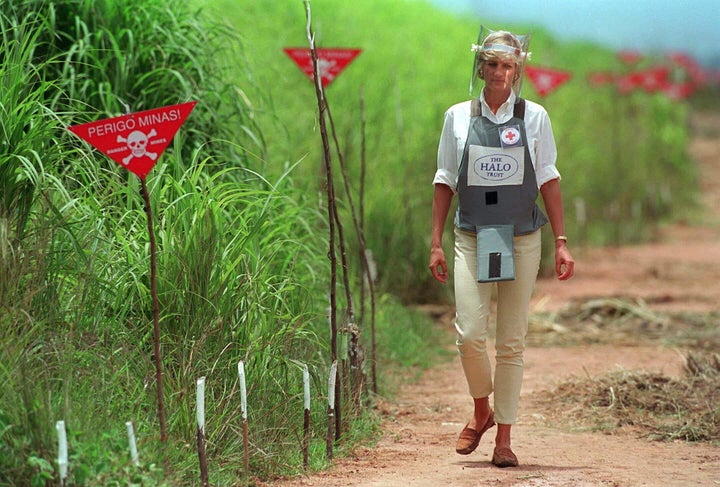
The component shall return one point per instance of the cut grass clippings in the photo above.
(656, 406)
(624, 322)
(653, 405)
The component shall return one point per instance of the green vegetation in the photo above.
(239, 218)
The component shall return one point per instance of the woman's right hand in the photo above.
(438, 265)
(442, 198)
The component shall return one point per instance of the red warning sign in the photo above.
(630, 57)
(137, 140)
(546, 80)
(331, 62)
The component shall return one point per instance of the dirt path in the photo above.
(680, 272)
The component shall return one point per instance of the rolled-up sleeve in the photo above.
(545, 150)
(447, 157)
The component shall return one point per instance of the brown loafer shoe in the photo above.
(504, 457)
(470, 438)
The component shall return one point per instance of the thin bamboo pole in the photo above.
(156, 312)
(322, 109)
(363, 248)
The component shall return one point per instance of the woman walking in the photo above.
(496, 152)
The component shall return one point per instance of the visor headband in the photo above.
(497, 47)
(500, 47)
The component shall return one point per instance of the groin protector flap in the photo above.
(495, 260)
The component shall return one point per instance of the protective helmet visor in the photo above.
(500, 45)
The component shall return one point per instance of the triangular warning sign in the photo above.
(630, 57)
(137, 140)
(546, 80)
(331, 62)
(601, 78)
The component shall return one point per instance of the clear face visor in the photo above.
(498, 44)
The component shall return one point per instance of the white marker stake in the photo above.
(201, 404)
(331, 385)
(331, 411)
(243, 410)
(306, 416)
(306, 387)
(201, 431)
(133, 444)
(243, 390)
(62, 450)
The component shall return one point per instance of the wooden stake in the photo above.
(156, 312)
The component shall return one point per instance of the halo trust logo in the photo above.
(496, 167)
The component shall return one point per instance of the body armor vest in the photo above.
(496, 178)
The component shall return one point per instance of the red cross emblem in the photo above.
(510, 136)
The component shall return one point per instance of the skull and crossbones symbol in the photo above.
(327, 68)
(137, 143)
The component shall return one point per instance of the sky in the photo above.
(650, 26)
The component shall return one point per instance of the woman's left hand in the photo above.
(564, 263)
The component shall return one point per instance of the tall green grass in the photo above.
(243, 271)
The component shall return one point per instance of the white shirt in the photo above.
(541, 141)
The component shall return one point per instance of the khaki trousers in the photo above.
(472, 300)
